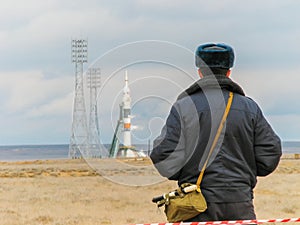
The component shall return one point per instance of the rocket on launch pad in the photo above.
(124, 127)
(126, 114)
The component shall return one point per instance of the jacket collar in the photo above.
(212, 82)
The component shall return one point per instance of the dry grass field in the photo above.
(71, 192)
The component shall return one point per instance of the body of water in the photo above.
(33, 152)
(42, 152)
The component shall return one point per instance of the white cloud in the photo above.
(20, 10)
(276, 91)
(56, 107)
(35, 109)
(24, 90)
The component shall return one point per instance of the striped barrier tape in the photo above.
(228, 222)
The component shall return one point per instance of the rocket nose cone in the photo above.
(126, 90)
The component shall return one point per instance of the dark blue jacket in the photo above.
(248, 147)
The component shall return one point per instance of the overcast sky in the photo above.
(37, 76)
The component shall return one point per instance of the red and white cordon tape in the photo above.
(228, 222)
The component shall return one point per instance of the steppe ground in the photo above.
(69, 192)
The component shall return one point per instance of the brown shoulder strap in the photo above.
(215, 140)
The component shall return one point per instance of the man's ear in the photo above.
(228, 73)
(200, 73)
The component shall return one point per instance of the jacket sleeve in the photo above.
(168, 149)
(267, 146)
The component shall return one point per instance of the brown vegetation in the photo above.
(67, 192)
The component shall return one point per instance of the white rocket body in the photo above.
(126, 114)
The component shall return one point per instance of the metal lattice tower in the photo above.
(79, 137)
(93, 83)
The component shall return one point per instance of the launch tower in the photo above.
(79, 134)
(93, 83)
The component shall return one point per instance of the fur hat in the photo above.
(214, 56)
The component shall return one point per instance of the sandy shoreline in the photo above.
(115, 192)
